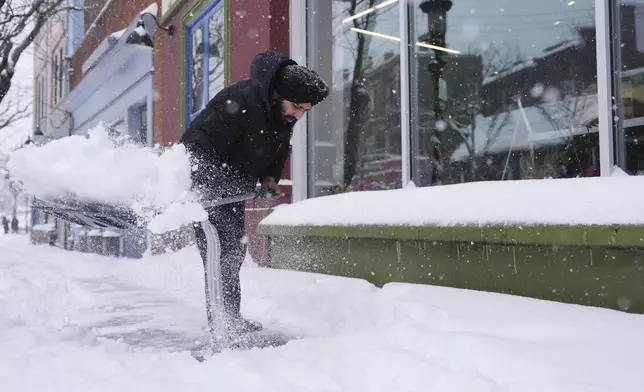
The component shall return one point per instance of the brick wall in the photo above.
(117, 16)
(91, 9)
(257, 26)
(169, 83)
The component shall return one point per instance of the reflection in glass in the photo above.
(507, 90)
(629, 83)
(197, 70)
(216, 28)
(354, 136)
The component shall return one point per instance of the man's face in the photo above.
(291, 112)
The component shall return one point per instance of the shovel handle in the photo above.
(261, 194)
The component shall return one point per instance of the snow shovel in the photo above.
(100, 215)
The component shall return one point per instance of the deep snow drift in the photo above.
(112, 171)
(56, 308)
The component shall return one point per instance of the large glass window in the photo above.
(628, 25)
(354, 136)
(206, 43)
(502, 90)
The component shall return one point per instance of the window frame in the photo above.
(203, 20)
(41, 98)
(61, 72)
(54, 77)
(137, 122)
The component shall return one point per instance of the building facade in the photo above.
(426, 91)
(99, 72)
(53, 49)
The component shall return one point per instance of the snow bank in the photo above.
(57, 308)
(100, 169)
(597, 200)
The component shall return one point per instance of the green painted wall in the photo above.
(581, 265)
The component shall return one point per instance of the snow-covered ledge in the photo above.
(571, 240)
(528, 211)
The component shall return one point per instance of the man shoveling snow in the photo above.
(242, 136)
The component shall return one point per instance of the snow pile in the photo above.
(357, 337)
(596, 200)
(99, 168)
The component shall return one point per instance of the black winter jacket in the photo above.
(235, 140)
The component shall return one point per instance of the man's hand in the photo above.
(270, 184)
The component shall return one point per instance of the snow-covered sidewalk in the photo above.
(57, 307)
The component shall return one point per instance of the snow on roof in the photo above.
(111, 233)
(118, 34)
(584, 201)
(549, 123)
(518, 66)
(43, 227)
(530, 62)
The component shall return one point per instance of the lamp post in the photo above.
(436, 11)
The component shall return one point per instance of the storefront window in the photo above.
(206, 39)
(354, 136)
(502, 90)
(628, 29)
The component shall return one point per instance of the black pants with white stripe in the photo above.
(228, 220)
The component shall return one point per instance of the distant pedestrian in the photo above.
(5, 224)
(14, 225)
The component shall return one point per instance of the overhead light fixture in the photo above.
(435, 47)
(571, 2)
(140, 36)
(391, 37)
(370, 10)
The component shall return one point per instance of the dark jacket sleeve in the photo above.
(208, 140)
(214, 129)
(277, 166)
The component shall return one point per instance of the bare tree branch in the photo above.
(21, 22)
(14, 115)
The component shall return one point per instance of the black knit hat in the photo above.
(299, 84)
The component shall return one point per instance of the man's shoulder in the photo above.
(239, 92)
(240, 87)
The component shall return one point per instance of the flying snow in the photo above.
(99, 168)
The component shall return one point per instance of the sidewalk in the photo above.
(78, 322)
(119, 304)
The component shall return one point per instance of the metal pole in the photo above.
(604, 87)
(404, 94)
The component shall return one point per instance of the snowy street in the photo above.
(62, 315)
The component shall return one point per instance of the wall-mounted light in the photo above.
(145, 30)
(168, 29)
(140, 36)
